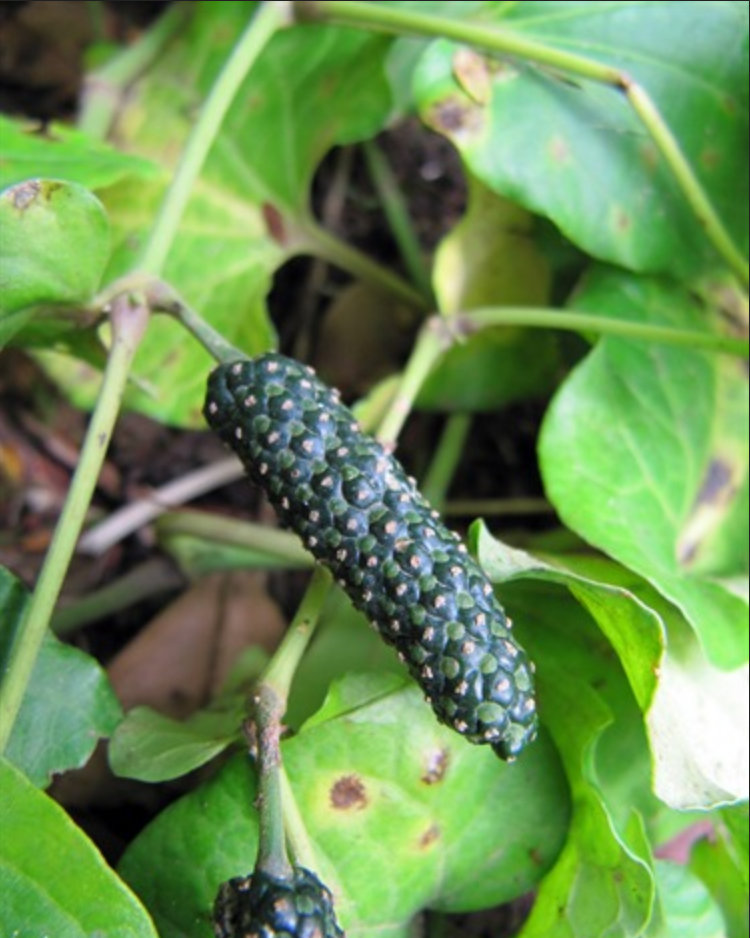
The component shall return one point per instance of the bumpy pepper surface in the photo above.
(358, 513)
(263, 906)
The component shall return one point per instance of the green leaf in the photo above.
(490, 259)
(344, 644)
(60, 152)
(644, 453)
(52, 879)
(716, 863)
(312, 88)
(699, 727)
(69, 705)
(634, 630)
(736, 821)
(154, 748)
(688, 907)
(696, 715)
(602, 883)
(53, 251)
(446, 825)
(589, 164)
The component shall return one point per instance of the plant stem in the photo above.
(129, 318)
(446, 459)
(695, 195)
(508, 42)
(281, 669)
(312, 238)
(397, 213)
(270, 702)
(281, 548)
(433, 340)
(269, 18)
(151, 578)
(301, 847)
(166, 300)
(483, 35)
(272, 855)
(103, 89)
(569, 321)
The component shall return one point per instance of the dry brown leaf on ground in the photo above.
(177, 664)
(182, 658)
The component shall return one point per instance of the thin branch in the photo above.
(129, 318)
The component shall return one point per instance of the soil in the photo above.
(41, 65)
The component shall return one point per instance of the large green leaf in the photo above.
(403, 814)
(635, 631)
(576, 152)
(644, 452)
(312, 88)
(69, 705)
(602, 883)
(52, 879)
(695, 715)
(54, 247)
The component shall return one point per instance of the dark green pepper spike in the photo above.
(360, 515)
(264, 906)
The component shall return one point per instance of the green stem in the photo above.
(282, 548)
(310, 237)
(507, 42)
(166, 300)
(568, 321)
(695, 195)
(302, 848)
(433, 340)
(152, 578)
(270, 703)
(397, 213)
(408, 22)
(270, 17)
(448, 455)
(103, 89)
(129, 318)
(272, 855)
(281, 669)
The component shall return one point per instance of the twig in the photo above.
(121, 524)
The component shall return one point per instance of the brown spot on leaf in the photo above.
(455, 116)
(348, 793)
(430, 836)
(275, 223)
(714, 499)
(436, 766)
(24, 194)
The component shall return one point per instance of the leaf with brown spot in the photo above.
(468, 838)
(349, 794)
